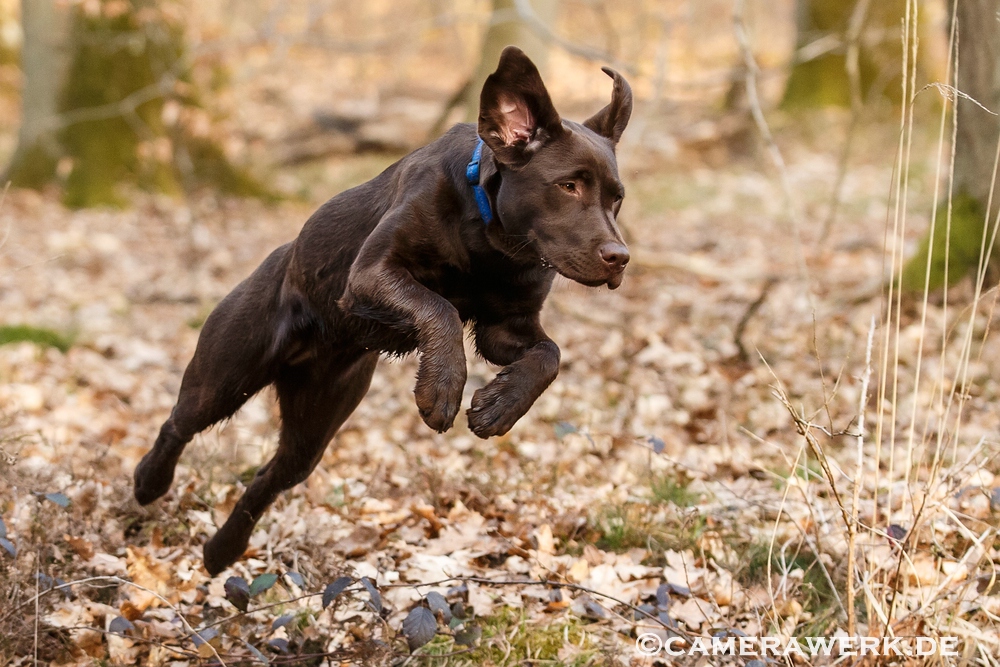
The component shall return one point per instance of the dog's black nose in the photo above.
(615, 255)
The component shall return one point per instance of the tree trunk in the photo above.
(10, 33)
(98, 79)
(509, 27)
(45, 57)
(821, 78)
(978, 75)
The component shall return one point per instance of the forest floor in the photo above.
(661, 471)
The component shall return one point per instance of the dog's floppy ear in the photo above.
(516, 116)
(610, 121)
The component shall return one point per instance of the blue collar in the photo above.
(472, 176)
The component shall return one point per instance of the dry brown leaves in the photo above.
(543, 522)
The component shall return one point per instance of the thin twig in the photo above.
(751, 310)
(805, 428)
(852, 526)
(38, 579)
(108, 579)
(133, 638)
(753, 99)
(554, 584)
(526, 13)
(854, 28)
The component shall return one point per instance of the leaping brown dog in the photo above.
(470, 229)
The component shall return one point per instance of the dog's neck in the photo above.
(512, 246)
(472, 175)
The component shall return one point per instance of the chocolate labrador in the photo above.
(468, 230)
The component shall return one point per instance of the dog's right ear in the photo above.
(516, 116)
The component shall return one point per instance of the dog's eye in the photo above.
(568, 186)
(619, 197)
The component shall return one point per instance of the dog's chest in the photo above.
(487, 291)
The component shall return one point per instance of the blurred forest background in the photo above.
(784, 423)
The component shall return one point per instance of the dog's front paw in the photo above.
(497, 406)
(439, 397)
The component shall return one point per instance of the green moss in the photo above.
(654, 525)
(510, 639)
(816, 594)
(96, 174)
(539, 641)
(823, 80)
(249, 474)
(116, 62)
(19, 333)
(818, 83)
(966, 238)
(114, 58)
(669, 490)
(623, 528)
(32, 167)
(211, 166)
(619, 528)
(198, 321)
(809, 469)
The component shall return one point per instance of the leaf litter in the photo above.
(565, 522)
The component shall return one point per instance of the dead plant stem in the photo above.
(852, 526)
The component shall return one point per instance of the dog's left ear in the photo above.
(610, 121)
(516, 116)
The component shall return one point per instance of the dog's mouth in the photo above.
(613, 279)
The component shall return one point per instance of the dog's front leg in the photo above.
(379, 288)
(531, 363)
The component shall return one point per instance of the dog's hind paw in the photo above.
(152, 479)
(223, 550)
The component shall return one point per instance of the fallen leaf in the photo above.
(150, 573)
(360, 542)
(578, 571)
(419, 627)
(83, 548)
(546, 543)
(333, 590)
(692, 613)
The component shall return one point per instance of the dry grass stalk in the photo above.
(852, 525)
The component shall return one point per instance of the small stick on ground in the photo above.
(742, 354)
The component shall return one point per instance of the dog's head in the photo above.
(560, 187)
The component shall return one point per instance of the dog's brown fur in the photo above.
(402, 263)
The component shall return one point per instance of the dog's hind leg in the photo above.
(235, 359)
(219, 379)
(315, 399)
